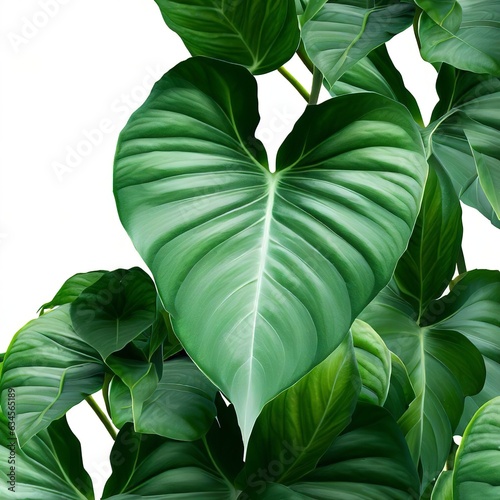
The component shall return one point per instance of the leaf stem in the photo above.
(461, 266)
(102, 416)
(105, 391)
(298, 86)
(301, 52)
(416, 20)
(316, 86)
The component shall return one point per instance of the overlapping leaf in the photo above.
(48, 467)
(180, 406)
(464, 137)
(264, 273)
(296, 428)
(258, 34)
(343, 32)
(155, 468)
(51, 370)
(461, 33)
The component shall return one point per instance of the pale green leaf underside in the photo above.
(51, 370)
(344, 32)
(264, 273)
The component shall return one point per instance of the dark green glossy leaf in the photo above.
(401, 392)
(49, 467)
(465, 37)
(377, 73)
(72, 288)
(155, 468)
(258, 34)
(464, 137)
(444, 367)
(428, 265)
(369, 461)
(180, 407)
(115, 310)
(477, 463)
(296, 428)
(51, 370)
(374, 363)
(472, 309)
(263, 273)
(343, 32)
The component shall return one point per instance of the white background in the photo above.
(87, 66)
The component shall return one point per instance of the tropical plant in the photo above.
(311, 332)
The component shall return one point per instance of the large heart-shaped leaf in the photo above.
(263, 273)
(48, 467)
(72, 288)
(181, 407)
(465, 37)
(477, 463)
(51, 370)
(258, 34)
(377, 73)
(296, 428)
(444, 367)
(369, 461)
(115, 310)
(464, 137)
(472, 309)
(428, 265)
(343, 32)
(155, 468)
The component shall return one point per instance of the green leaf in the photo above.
(477, 462)
(72, 288)
(48, 467)
(296, 428)
(464, 136)
(263, 273)
(377, 73)
(115, 310)
(344, 32)
(437, 10)
(374, 363)
(443, 489)
(428, 265)
(51, 370)
(472, 309)
(369, 461)
(465, 38)
(155, 468)
(258, 34)
(444, 367)
(181, 407)
(401, 392)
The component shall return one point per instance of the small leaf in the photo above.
(297, 427)
(344, 32)
(443, 489)
(48, 467)
(72, 288)
(401, 392)
(115, 310)
(51, 370)
(374, 363)
(437, 10)
(258, 34)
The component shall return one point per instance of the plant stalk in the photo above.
(298, 86)
(461, 266)
(316, 86)
(102, 416)
(301, 52)
(105, 391)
